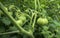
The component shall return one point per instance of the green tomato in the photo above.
(42, 21)
(6, 8)
(20, 22)
(23, 18)
(10, 13)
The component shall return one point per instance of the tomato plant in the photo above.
(29, 18)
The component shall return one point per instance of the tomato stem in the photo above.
(38, 4)
(2, 7)
(35, 5)
(9, 32)
(34, 21)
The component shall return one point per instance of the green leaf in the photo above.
(6, 21)
(2, 29)
(13, 28)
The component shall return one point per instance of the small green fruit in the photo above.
(23, 18)
(20, 22)
(42, 21)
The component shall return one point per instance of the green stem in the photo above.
(31, 18)
(26, 15)
(9, 32)
(35, 5)
(34, 21)
(2, 7)
(38, 4)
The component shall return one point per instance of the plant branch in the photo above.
(34, 21)
(38, 4)
(35, 5)
(2, 7)
(9, 32)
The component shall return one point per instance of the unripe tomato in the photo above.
(5, 8)
(20, 22)
(10, 13)
(42, 21)
(23, 18)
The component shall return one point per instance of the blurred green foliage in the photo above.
(32, 10)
